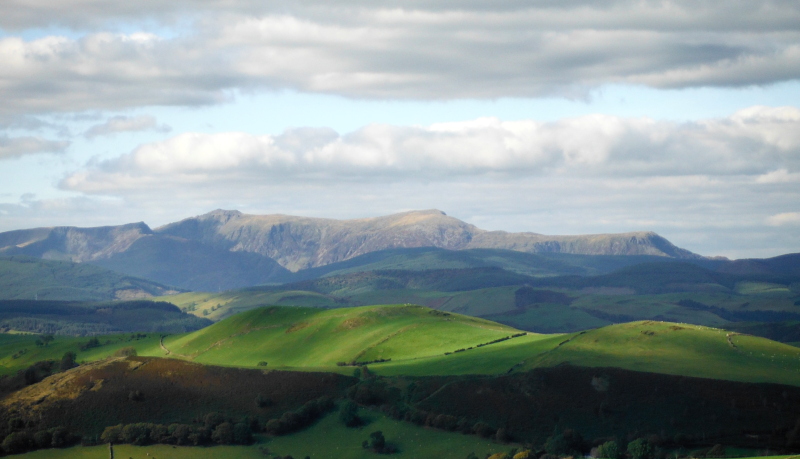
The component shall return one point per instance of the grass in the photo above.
(326, 438)
(15, 344)
(217, 306)
(307, 337)
(757, 288)
(690, 350)
(415, 341)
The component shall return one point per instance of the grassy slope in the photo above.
(225, 304)
(415, 339)
(681, 350)
(307, 337)
(13, 344)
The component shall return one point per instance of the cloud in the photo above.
(125, 124)
(756, 142)
(785, 219)
(202, 52)
(13, 147)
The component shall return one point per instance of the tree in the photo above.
(640, 449)
(68, 361)
(112, 434)
(242, 434)
(609, 450)
(567, 443)
(377, 440)
(348, 414)
(17, 442)
(223, 434)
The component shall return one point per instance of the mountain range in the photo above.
(228, 249)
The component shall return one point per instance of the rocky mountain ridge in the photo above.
(297, 243)
(300, 242)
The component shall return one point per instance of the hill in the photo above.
(24, 277)
(95, 318)
(407, 340)
(682, 385)
(311, 337)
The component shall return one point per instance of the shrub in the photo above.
(242, 434)
(502, 436)
(377, 440)
(180, 433)
(640, 449)
(567, 443)
(137, 434)
(348, 414)
(61, 438)
(68, 361)
(93, 342)
(483, 429)
(17, 442)
(129, 351)
(223, 434)
(42, 439)
(609, 450)
(112, 434)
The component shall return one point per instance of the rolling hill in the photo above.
(683, 385)
(412, 340)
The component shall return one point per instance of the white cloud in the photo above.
(12, 147)
(422, 50)
(779, 176)
(785, 218)
(125, 124)
(756, 141)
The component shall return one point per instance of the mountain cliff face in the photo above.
(300, 242)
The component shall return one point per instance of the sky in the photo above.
(554, 117)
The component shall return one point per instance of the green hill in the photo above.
(95, 318)
(23, 277)
(316, 338)
(419, 341)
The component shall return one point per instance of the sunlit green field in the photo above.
(419, 341)
(680, 349)
(306, 337)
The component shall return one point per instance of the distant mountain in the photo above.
(228, 249)
(300, 242)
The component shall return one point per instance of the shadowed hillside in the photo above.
(28, 278)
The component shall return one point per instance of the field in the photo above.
(309, 337)
(413, 340)
(27, 352)
(327, 438)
